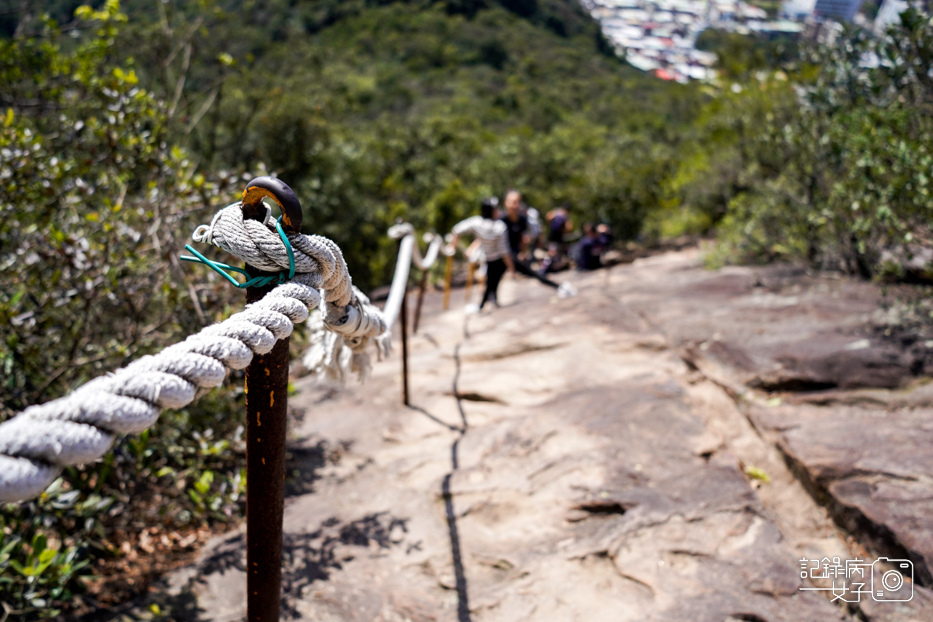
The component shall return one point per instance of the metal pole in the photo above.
(403, 313)
(266, 405)
(448, 274)
(421, 287)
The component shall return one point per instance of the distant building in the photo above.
(842, 10)
(889, 13)
(798, 10)
(659, 36)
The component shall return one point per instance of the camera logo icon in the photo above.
(889, 585)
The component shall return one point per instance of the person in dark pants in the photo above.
(492, 234)
(517, 225)
(495, 270)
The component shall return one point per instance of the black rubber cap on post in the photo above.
(278, 191)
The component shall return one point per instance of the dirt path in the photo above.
(593, 459)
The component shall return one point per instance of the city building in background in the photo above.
(842, 10)
(659, 36)
(889, 13)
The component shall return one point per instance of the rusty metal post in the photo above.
(266, 404)
(448, 275)
(421, 287)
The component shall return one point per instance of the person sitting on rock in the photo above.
(588, 251)
(559, 225)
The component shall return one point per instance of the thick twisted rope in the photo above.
(399, 231)
(346, 311)
(327, 354)
(408, 253)
(81, 427)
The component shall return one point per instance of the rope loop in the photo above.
(204, 232)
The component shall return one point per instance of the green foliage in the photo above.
(94, 207)
(419, 109)
(741, 56)
(90, 199)
(848, 183)
(41, 564)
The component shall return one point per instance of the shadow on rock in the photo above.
(303, 464)
(306, 558)
(309, 557)
(181, 607)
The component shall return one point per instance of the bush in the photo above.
(94, 207)
(850, 189)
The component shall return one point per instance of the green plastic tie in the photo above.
(256, 281)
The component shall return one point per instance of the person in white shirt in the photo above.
(492, 234)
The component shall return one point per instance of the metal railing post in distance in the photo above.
(403, 318)
(404, 321)
(421, 287)
(448, 275)
(266, 405)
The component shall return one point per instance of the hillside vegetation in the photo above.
(123, 127)
(419, 109)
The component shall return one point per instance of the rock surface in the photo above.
(814, 343)
(876, 467)
(604, 458)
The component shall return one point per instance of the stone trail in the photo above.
(590, 459)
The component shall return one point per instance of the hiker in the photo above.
(604, 234)
(590, 249)
(534, 231)
(492, 235)
(559, 224)
(518, 225)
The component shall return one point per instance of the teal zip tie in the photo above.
(257, 281)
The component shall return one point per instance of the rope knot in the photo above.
(205, 233)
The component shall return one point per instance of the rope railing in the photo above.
(408, 254)
(327, 354)
(405, 234)
(292, 278)
(80, 428)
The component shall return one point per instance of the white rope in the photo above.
(326, 354)
(400, 280)
(430, 258)
(81, 427)
(408, 253)
(399, 231)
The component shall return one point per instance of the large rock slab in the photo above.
(818, 368)
(874, 467)
(776, 328)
